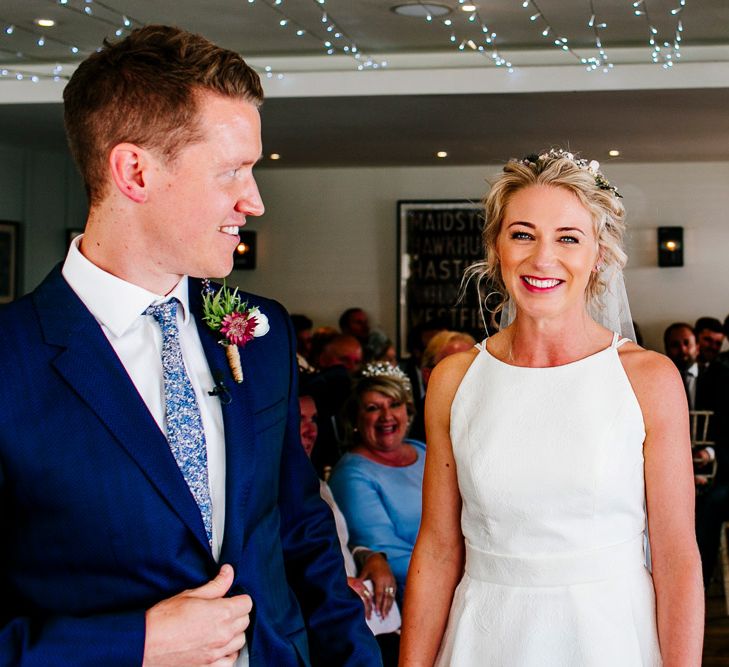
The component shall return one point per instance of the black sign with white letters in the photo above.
(437, 242)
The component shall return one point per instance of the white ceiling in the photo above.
(430, 95)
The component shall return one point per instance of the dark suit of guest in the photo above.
(415, 375)
(330, 389)
(99, 524)
(712, 507)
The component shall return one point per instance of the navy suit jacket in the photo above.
(99, 524)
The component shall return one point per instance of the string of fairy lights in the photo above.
(95, 10)
(327, 32)
(663, 52)
(559, 41)
(488, 47)
(458, 29)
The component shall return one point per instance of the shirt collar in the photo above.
(114, 303)
(693, 369)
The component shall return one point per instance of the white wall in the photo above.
(42, 192)
(329, 237)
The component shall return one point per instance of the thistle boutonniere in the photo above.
(225, 312)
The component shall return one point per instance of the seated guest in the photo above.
(709, 337)
(705, 390)
(440, 346)
(380, 348)
(303, 328)
(368, 573)
(340, 350)
(417, 340)
(723, 357)
(319, 338)
(337, 357)
(378, 484)
(354, 322)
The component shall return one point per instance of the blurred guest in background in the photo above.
(378, 483)
(706, 389)
(380, 348)
(368, 573)
(337, 357)
(340, 350)
(319, 338)
(709, 337)
(442, 345)
(417, 340)
(354, 322)
(303, 327)
(679, 342)
(723, 357)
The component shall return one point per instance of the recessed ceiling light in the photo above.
(441, 154)
(468, 7)
(275, 156)
(613, 153)
(45, 23)
(421, 10)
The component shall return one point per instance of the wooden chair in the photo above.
(699, 440)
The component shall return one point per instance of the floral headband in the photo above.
(535, 161)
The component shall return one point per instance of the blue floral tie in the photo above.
(184, 425)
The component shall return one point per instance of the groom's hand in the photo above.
(198, 627)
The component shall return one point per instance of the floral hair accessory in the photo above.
(384, 369)
(225, 312)
(538, 162)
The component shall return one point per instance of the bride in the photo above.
(554, 449)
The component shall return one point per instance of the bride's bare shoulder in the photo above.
(448, 374)
(652, 375)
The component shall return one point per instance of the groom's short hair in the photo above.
(143, 90)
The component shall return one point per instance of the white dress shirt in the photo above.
(118, 307)
(690, 377)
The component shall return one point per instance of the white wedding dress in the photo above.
(550, 469)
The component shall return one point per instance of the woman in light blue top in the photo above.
(378, 484)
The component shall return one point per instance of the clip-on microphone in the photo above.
(220, 390)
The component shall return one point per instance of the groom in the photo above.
(155, 511)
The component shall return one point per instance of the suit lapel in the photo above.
(89, 365)
(238, 427)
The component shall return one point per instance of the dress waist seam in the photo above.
(556, 570)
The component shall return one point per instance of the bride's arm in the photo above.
(437, 561)
(670, 498)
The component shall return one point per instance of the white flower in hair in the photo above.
(538, 162)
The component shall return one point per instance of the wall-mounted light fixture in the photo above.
(670, 246)
(244, 256)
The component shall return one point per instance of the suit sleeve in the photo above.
(113, 640)
(335, 622)
(30, 637)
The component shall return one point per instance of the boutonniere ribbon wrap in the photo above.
(226, 313)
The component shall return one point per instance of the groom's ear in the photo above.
(129, 167)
